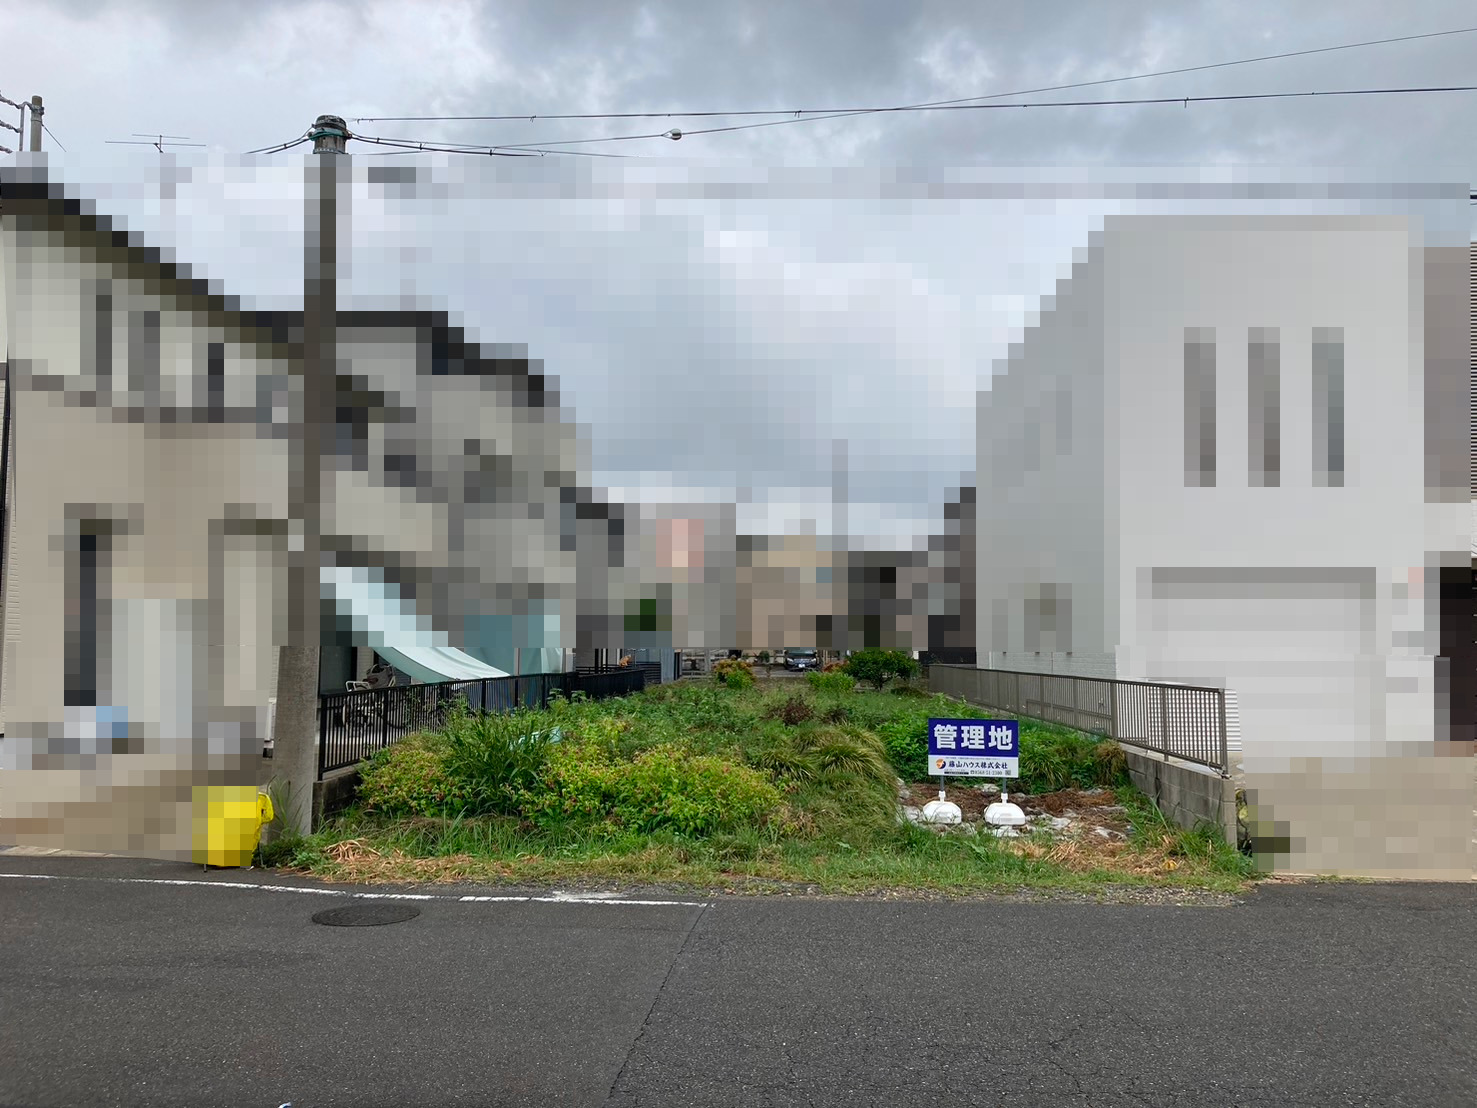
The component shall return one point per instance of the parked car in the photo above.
(801, 660)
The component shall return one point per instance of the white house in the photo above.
(1234, 452)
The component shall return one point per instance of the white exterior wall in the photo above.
(1315, 605)
(1043, 491)
(1319, 661)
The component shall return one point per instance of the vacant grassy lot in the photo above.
(755, 787)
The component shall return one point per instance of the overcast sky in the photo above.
(721, 346)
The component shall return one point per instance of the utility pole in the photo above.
(296, 727)
(37, 111)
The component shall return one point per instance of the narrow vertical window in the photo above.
(1199, 407)
(1264, 407)
(80, 681)
(143, 356)
(96, 335)
(215, 382)
(1328, 407)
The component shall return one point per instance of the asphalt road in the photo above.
(125, 992)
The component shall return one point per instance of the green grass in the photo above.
(732, 795)
(1203, 848)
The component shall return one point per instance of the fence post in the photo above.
(1113, 710)
(384, 699)
(1164, 719)
(322, 737)
(1225, 750)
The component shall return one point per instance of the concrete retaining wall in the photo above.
(333, 794)
(329, 796)
(1187, 794)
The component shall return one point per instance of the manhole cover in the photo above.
(366, 915)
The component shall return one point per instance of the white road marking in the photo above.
(556, 898)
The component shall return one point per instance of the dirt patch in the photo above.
(1078, 829)
(1096, 808)
(1086, 802)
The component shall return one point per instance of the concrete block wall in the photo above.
(1187, 794)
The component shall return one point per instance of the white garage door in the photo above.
(1302, 668)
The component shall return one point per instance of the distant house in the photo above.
(790, 588)
(1235, 452)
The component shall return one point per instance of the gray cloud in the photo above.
(746, 374)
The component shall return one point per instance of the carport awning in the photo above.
(385, 623)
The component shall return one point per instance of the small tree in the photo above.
(878, 666)
(764, 660)
(733, 672)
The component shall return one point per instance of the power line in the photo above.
(1185, 100)
(408, 146)
(801, 112)
(281, 146)
(413, 146)
(54, 139)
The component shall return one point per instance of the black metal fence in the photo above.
(353, 725)
(1184, 721)
(653, 671)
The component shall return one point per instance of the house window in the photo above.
(80, 682)
(1199, 407)
(143, 357)
(1328, 407)
(215, 382)
(100, 353)
(1264, 407)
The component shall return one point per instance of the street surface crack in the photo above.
(655, 1000)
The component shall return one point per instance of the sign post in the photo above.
(976, 748)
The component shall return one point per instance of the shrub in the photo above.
(735, 673)
(905, 743)
(785, 763)
(577, 785)
(912, 692)
(411, 778)
(693, 794)
(878, 666)
(833, 682)
(1044, 766)
(791, 712)
(836, 713)
(665, 787)
(849, 752)
(1109, 765)
(495, 757)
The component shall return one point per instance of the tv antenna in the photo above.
(158, 142)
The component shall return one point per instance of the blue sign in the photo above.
(974, 747)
